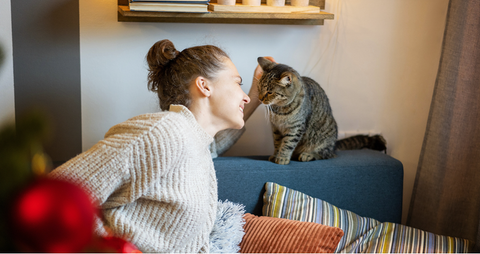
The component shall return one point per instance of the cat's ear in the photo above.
(265, 63)
(286, 80)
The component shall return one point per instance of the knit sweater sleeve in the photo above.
(99, 171)
(224, 140)
(125, 164)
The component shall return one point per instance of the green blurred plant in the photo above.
(21, 159)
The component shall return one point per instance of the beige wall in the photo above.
(377, 62)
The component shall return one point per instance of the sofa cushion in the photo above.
(356, 180)
(274, 235)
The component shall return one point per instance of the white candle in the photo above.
(251, 2)
(276, 2)
(226, 2)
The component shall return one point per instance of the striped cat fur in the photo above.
(302, 121)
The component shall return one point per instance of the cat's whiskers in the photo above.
(268, 112)
(270, 116)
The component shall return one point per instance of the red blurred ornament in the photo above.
(52, 216)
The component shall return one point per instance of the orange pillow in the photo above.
(275, 235)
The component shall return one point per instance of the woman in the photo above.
(153, 175)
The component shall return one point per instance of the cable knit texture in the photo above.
(154, 179)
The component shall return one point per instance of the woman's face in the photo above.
(228, 99)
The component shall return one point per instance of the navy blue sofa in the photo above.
(366, 182)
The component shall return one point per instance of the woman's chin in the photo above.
(239, 125)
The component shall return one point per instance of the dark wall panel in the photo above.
(46, 58)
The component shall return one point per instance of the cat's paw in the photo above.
(306, 157)
(272, 158)
(282, 160)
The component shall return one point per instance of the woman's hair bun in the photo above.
(161, 53)
(171, 73)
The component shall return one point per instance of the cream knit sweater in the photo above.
(154, 179)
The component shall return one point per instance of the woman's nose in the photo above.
(246, 99)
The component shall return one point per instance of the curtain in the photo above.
(446, 194)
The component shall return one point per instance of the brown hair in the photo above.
(171, 71)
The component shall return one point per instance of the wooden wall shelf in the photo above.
(125, 15)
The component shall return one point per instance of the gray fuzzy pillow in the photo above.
(227, 231)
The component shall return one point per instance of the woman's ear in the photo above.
(203, 86)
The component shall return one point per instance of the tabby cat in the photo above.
(302, 121)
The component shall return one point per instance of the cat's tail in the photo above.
(376, 142)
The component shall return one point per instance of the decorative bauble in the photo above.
(52, 216)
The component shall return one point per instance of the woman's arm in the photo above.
(253, 93)
(122, 160)
(99, 171)
(227, 138)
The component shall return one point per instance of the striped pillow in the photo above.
(274, 235)
(282, 202)
(361, 234)
(390, 237)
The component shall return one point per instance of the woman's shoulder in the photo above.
(145, 123)
(151, 118)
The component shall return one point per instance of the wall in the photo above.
(7, 101)
(377, 62)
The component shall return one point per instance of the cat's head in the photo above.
(279, 83)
